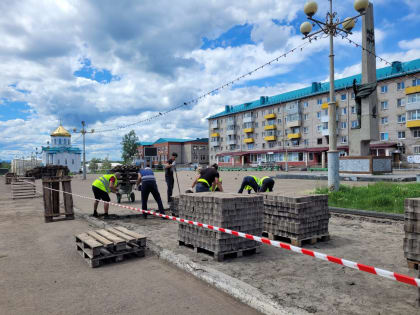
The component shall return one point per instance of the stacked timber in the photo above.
(243, 213)
(8, 178)
(128, 172)
(48, 171)
(23, 187)
(411, 244)
(110, 245)
(296, 218)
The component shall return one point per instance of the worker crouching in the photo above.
(264, 184)
(208, 180)
(101, 188)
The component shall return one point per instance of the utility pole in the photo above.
(83, 131)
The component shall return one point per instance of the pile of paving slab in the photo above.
(412, 229)
(237, 212)
(296, 218)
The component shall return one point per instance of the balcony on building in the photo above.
(294, 120)
(413, 119)
(249, 140)
(296, 135)
(215, 142)
(248, 117)
(270, 116)
(270, 138)
(412, 89)
(231, 130)
(214, 124)
(249, 130)
(413, 101)
(325, 105)
(231, 141)
(293, 108)
(215, 135)
(270, 127)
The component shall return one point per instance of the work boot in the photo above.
(95, 214)
(144, 216)
(106, 216)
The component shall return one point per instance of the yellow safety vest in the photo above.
(103, 182)
(215, 187)
(262, 180)
(202, 180)
(247, 187)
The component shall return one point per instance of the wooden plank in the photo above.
(115, 239)
(47, 199)
(88, 240)
(68, 198)
(55, 198)
(121, 234)
(100, 238)
(128, 232)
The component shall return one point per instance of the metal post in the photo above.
(287, 158)
(333, 176)
(84, 150)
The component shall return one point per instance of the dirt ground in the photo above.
(42, 273)
(295, 280)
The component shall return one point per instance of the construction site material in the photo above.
(173, 206)
(8, 178)
(127, 172)
(51, 196)
(296, 219)
(48, 171)
(23, 187)
(228, 211)
(411, 243)
(110, 245)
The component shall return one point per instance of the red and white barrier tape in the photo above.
(354, 265)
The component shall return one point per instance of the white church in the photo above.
(60, 152)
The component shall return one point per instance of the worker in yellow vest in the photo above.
(207, 180)
(101, 188)
(249, 183)
(266, 184)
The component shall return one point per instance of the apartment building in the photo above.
(293, 126)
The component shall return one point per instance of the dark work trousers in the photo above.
(248, 181)
(147, 188)
(267, 184)
(170, 182)
(201, 187)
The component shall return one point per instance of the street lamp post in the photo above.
(83, 131)
(332, 26)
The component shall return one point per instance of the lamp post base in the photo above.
(333, 170)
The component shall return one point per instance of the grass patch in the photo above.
(381, 197)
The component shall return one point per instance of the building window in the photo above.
(384, 120)
(401, 118)
(319, 128)
(344, 139)
(305, 142)
(401, 134)
(344, 111)
(305, 129)
(343, 97)
(305, 117)
(319, 101)
(384, 105)
(343, 125)
(319, 141)
(250, 146)
(72, 161)
(65, 162)
(279, 120)
(279, 132)
(353, 110)
(318, 114)
(413, 115)
(58, 161)
(416, 133)
(263, 123)
(400, 86)
(263, 145)
(416, 82)
(271, 144)
(305, 104)
(416, 149)
(384, 136)
(400, 102)
(384, 88)
(413, 98)
(354, 123)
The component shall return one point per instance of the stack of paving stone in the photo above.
(412, 232)
(173, 206)
(232, 211)
(296, 218)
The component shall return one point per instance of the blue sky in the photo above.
(132, 60)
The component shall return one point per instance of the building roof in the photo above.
(61, 149)
(144, 143)
(163, 140)
(397, 69)
(60, 132)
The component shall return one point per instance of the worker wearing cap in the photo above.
(148, 180)
(101, 188)
(250, 183)
(207, 180)
(266, 184)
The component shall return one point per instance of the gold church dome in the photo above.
(60, 132)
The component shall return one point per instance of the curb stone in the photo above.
(238, 289)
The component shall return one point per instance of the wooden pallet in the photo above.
(23, 187)
(413, 264)
(297, 242)
(110, 245)
(221, 256)
(52, 198)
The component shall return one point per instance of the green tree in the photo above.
(93, 165)
(129, 146)
(5, 164)
(106, 165)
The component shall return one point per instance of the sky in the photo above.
(114, 63)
